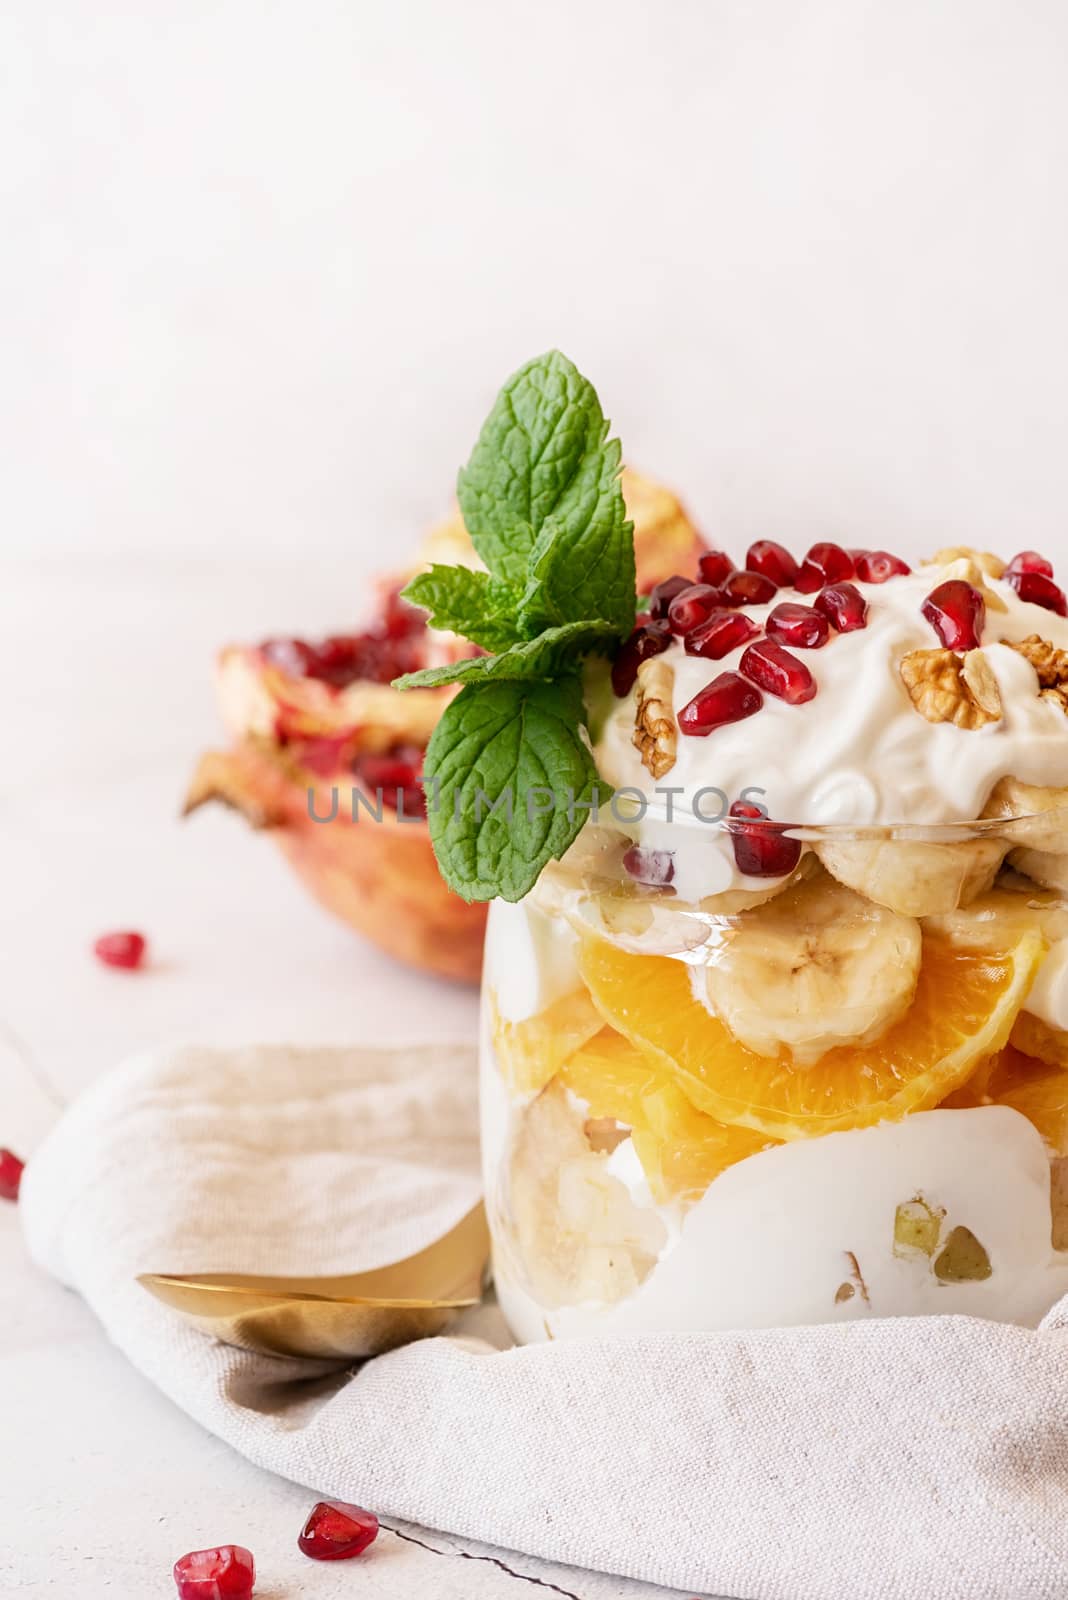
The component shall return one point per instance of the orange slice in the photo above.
(531, 1052)
(1032, 1087)
(964, 1009)
(681, 1150)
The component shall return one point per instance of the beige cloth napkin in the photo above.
(924, 1459)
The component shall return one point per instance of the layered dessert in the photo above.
(328, 757)
(775, 1020)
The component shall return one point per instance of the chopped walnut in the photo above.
(655, 729)
(946, 687)
(992, 565)
(1049, 663)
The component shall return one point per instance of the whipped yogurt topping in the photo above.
(859, 752)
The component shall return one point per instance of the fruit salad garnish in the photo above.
(542, 501)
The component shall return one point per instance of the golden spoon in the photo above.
(344, 1317)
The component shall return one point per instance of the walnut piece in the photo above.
(992, 565)
(655, 729)
(945, 687)
(1050, 664)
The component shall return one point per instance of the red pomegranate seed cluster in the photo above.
(11, 1170)
(395, 773)
(394, 645)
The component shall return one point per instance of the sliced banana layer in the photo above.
(915, 879)
(817, 967)
(1044, 809)
(1046, 867)
(1000, 915)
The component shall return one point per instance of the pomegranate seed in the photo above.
(400, 619)
(844, 606)
(294, 657)
(665, 592)
(727, 698)
(692, 607)
(335, 1531)
(714, 566)
(878, 566)
(776, 670)
(747, 589)
(1039, 590)
(124, 950)
(773, 560)
(226, 1573)
(800, 626)
(1029, 561)
(761, 849)
(654, 867)
(723, 632)
(956, 612)
(11, 1170)
(643, 643)
(825, 563)
(396, 774)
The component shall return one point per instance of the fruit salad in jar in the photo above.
(775, 996)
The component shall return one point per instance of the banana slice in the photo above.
(1043, 811)
(915, 879)
(1046, 867)
(999, 917)
(818, 967)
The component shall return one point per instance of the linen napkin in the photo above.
(925, 1459)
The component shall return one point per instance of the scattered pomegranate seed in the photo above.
(226, 1573)
(644, 642)
(11, 1170)
(1039, 590)
(126, 950)
(801, 626)
(747, 589)
(727, 698)
(692, 606)
(335, 1531)
(956, 611)
(844, 607)
(714, 566)
(761, 849)
(780, 673)
(825, 563)
(878, 566)
(723, 632)
(654, 867)
(1029, 561)
(662, 596)
(773, 560)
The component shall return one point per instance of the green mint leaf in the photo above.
(553, 652)
(507, 772)
(544, 452)
(481, 608)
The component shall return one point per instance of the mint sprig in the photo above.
(509, 772)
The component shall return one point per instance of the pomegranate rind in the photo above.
(380, 878)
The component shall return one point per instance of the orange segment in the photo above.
(681, 1150)
(965, 1006)
(1034, 1088)
(531, 1052)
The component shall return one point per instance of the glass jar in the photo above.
(836, 1091)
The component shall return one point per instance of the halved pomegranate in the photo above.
(309, 719)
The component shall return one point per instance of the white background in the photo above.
(262, 268)
(265, 264)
